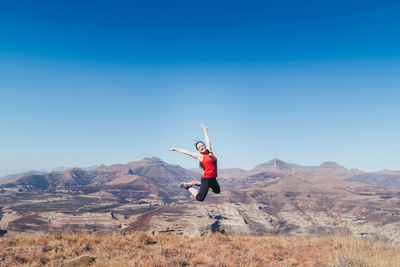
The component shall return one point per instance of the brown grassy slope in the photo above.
(141, 249)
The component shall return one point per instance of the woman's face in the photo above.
(201, 147)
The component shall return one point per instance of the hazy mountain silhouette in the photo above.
(386, 178)
(327, 169)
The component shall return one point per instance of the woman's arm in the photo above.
(208, 144)
(183, 151)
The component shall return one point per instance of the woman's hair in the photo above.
(207, 152)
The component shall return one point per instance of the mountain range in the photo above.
(70, 176)
(385, 178)
(272, 198)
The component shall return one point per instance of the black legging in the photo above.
(205, 184)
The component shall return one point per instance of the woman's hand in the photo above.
(204, 128)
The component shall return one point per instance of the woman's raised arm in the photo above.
(183, 151)
(206, 138)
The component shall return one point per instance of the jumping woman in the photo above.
(208, 162)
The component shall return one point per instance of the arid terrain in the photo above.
(273, 198)
(96, 200)
(141, 249)
(292, 204)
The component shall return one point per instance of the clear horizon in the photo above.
(92, 83)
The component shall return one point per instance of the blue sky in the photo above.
(113, 82)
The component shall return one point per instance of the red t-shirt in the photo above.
(210, 166)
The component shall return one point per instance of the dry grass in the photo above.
(142, 249)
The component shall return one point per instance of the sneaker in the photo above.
(186, 186)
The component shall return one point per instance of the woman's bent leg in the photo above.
(215, 186)
(203, 190)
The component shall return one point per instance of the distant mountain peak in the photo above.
(152, 158)
(386, 171)
(146, 161)
(330, 164)
(275, 161)
(277, 164)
